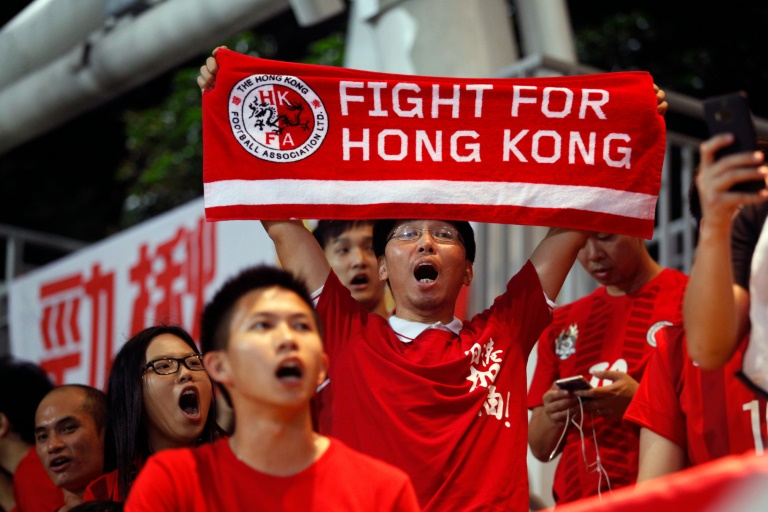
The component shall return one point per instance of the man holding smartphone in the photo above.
(717, 303)
(607, 337)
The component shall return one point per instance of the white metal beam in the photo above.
(114, 61)
(44, 31)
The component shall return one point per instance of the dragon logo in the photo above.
(565, 344)
(277, 118)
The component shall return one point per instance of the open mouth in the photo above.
(289, 372)
(59, 463)
(425, 273)
(189, 402)
(359, 280)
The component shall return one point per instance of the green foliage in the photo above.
(164, 165)
(328, 51)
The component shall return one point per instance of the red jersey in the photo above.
(32, 487)
(210, 477)
(448, 409)
(603, 332)
(735, 482)
(709, 414)
(104, 488)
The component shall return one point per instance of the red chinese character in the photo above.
(62, 333)
(176, 273)
(140, 274)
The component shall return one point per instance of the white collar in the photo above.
(406, 330)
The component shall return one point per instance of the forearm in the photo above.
(298, 251)
(709, 307)
(658, 456)
(554, 257)
(543, 435)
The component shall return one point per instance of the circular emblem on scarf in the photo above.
(277, 118)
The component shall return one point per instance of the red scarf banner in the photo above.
(285, 140)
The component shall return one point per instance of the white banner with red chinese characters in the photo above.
(73, 315)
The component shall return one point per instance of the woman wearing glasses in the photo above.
(160, 397)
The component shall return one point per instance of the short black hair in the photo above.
(327, 230)
(99, 506)
(382, 230)
(23, 385)
(214, 329)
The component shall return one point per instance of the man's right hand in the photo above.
(560, 405)
(207, 77)
(716, 176)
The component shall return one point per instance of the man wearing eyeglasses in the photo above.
(440, 398)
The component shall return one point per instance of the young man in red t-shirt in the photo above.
(607, 337)
(729, 232)
(261, 340)
(33, 491)
(348, 247)
(689, 416)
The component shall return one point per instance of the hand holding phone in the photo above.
(576, 383)
(731, 113)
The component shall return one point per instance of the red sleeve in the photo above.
(337, 310)
(32, 487)
(103, 488)
(656, 404)
(160, 484)
(406, 500)
(546, 371)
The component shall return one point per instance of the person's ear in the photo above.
(217, 365)
(5, 425)
(324, 370)
(383, 274)
(469, 273)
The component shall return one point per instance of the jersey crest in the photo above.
(565, 344)
(650, 337)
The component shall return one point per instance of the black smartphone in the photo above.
(573, 383)
(731, 113)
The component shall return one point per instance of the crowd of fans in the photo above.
(341, 402)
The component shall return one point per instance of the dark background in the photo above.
(74, 180)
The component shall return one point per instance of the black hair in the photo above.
(127, 443)
(214, 327)
(382, 230)
(23, 385)
(218, 312)
(327, 230)
(98, 506)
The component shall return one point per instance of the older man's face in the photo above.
(68, 441)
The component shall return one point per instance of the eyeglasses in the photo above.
(169, 365)
(440, 234)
